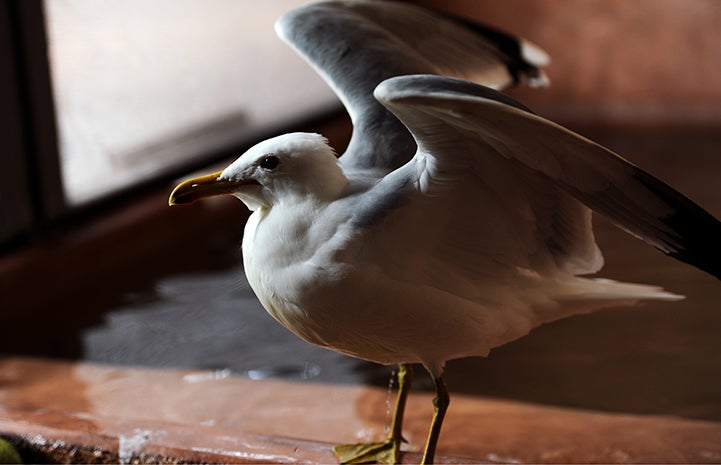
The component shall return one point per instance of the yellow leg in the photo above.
(440, 405)
(388, 451)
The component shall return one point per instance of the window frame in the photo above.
(28, 121)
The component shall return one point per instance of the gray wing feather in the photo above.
(355, 45)
(630, 197)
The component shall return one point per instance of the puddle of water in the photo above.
(211, 321)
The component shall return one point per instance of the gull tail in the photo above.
(586, 295)
(606, 289)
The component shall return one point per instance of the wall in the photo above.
(622, 61)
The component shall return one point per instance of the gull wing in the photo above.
(355, 45)
(460, 126)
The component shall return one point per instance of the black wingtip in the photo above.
(512, 51)
(699, 235)
(693, 235)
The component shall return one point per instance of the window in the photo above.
(136, 89)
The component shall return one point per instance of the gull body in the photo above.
(457, 220)
(386, 285)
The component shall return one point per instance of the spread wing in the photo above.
(525, 185)
(355, 45)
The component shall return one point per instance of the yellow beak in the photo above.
(201, 187)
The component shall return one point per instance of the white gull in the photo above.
(456, 221)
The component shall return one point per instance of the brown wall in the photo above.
(623, 61)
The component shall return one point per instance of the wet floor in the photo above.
(209, 320)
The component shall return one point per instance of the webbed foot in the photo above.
(388, 452)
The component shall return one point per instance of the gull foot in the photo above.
(388, 452)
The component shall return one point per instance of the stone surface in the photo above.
(76, 412)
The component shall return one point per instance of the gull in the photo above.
(456, 220)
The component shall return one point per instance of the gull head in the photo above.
(288, 168)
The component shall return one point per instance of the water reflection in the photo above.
(303, 372)
(210, 320)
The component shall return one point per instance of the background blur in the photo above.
(646, 62)
(108, 103)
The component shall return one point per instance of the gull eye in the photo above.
(270, 162)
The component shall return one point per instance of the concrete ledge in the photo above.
(59, 411)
